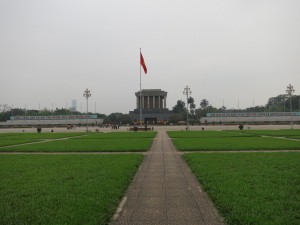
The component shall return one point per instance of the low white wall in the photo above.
(249, 119)
(49, 122)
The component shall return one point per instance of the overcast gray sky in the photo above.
(225, 50)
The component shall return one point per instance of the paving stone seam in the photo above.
(144, 167)
(174, 150)
(164, 148)
(189, 174)
(165, 189)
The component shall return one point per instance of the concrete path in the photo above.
(164, 191)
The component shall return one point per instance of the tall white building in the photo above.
(74, 105)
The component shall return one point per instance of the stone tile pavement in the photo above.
(164, 191)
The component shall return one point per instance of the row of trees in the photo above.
(279, 103)
(6, 112)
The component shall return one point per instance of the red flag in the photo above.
(143, 64)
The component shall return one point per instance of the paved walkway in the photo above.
(164, 191)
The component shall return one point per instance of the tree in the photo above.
(200, 113)
(176, 117)
(222, 109)
(190, 100)
(192, 108)
(4, 108)
(192, 105)
(277, 103)
(204, 104)
(179, 107)
(211, 109)
(179, 112)
(281, 103)
(204, 107)
(117, 118)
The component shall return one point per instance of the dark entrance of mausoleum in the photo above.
(150, 121)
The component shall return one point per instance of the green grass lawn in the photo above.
(295, 133)
(86, 145)
(251, 188)
(38, 135)
(91, 142)
(235, 143)
(228, 140)
(7, 139)
(206, 134)
(121, 135)
(63, 189)
(8, 142)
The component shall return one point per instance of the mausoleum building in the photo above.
(153, 103)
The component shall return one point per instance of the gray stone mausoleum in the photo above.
(154, 107)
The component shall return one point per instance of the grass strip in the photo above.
(7, 139)
(251, 188)
(8, 142)
(235, 143)
(206, 134)
(82, 142)
(120, 135)
(276, 133)
(38, 135)
(63, 189)
(85, 145)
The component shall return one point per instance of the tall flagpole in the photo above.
(140, 90)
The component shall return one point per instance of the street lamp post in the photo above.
(87, 94)
(290, 90)
(187, 92)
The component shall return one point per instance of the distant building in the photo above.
(50, 121)
(74, 105)
(254, 118)
(153, 103)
